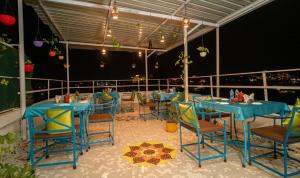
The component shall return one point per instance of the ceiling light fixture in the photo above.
(114, 12)
(186, 20)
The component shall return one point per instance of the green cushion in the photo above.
(296, 121)
(187, 114)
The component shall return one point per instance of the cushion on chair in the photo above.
(106, 97)
(296, 121)
(276, 133)
(65, 119)
(103, 117)
(187, 114)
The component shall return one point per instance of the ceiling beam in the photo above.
(41, 5)
(243, 11)
(130, 10)
(109, 46)
(163, 22)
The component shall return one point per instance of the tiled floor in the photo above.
(105, 161)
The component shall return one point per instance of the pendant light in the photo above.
(162, 38)
(186, 20)
(115, 12)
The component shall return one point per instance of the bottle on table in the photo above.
(231, 94)
(237, 93)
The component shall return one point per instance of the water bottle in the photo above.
(237, 93)
(231, 94)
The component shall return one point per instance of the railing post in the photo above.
(211, 86)
(265, 83)
(168, 85)
(158, 84)
(138, 84)
(93, 86)
(62, 87)
(116, 85)
(48, 81)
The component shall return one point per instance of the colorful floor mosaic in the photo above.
(149, 153)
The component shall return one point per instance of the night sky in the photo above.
(265, 39)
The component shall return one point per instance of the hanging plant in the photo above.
(5, 18)
(180, 63)
(5, 39)
(203, 50)
(4, 82)
(38, 42)
(60, 57)
(66, 66)
(28, 65)
(115, 42)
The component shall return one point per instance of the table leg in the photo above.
(245, 144)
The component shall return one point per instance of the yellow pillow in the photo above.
(65, 119)
(187, 114)
(106, 97)
(296, 121)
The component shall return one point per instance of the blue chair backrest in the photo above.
(105, 107)
(36, 126)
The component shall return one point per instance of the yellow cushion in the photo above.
(106, 97)
(296, 121)
(187, 115)
(64, 119)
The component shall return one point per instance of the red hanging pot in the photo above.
(52, 53)
(29, 68)
(7, 20)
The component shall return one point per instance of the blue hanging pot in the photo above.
(38, 43)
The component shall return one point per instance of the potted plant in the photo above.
(4, 38)
(203, 51)
(28, 65)
(7, 149)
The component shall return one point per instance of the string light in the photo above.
(140, 53)
(103, 51)
(162, 39)
(108, 33)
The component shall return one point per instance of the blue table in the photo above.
(81, 108)
(243, 111)
(163, 98)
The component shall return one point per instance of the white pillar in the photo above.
(68, 66)
(218, 60)
(21, 67)
(146, 72)
(186, 74)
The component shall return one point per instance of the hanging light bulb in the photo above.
(115, 12)
(102, 65)
(133, 65)
(140, 53)
(103, 51)
(140, 31)
(108, 33)
(162, 39)
(156, 65)
(186, 22)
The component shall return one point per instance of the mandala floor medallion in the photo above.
(149, 153)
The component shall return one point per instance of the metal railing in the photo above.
(288, 79)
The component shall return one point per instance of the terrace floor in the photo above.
(106, 161)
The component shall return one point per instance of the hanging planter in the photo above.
(28, 66)
(52, 53)
(66, 66)
(60, 57)
(5, 18)
(203, 51)
(38, 43)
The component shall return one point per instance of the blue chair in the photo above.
(41, 127)
(102, 113)
(145, 106)
(187, 117)
(279, 135)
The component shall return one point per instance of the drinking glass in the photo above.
(57, 98)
